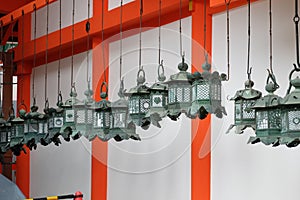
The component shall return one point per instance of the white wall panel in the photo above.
(81, 12)
(242, 171)
(116, 3)
(159, 166)
(67, 168)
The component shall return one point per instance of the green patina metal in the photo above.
(179, 92)
(17, 132)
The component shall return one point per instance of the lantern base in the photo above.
(266, 140)
(240, 128)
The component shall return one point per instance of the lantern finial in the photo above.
(183, 66)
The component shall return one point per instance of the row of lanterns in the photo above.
(195, 94)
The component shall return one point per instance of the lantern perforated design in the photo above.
(69, 115)
(5, 134)
(179, 94)
(158, 99)
(121, 125)
(17, 132)
(206, 94)
(84, 115)
(268, 116)
(102, 117)
(244, 100)
(35, 127)
(139, 101)
(290, 115)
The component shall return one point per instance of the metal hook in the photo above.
(249, 73)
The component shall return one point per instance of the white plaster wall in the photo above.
(159, 166)
(242, 171)
(81, 14)
(67, 168)
(116, 3)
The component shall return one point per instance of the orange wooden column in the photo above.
(201, 143)
(23, 95)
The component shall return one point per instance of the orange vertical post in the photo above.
(200, 129)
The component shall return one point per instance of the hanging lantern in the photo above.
(158, 98)
(121, 125)
(69, 115)
(55, 121)
(206, 93)
(290, 115)
(179, 95)
(5, 134)
(268, 116)
(139, 101)
(102, 117)
(244, 116)
(17, 132)
(35, 127)
(84, 115)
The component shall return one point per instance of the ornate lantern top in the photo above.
(103, 104)
(141, 88)
(248, 93)
(121, 102)
(269, 100)
(72, 100)
(293, 98)
(183, 75)
(160, 86)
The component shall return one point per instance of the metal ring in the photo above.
(161, 66)
(296, 19)
(106, 88)
(141, 70)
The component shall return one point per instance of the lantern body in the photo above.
(179, 93)
(84, 116)
(69, 116)
(120, 125)
(158, 103)
(290, 116)
(244, 100)
(5, 134)
(55, 122)
(102, 120)
(17, 134)
(268, 119)
(139, 105)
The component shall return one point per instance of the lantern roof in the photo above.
(183, 75)
(159, 86)
(294, 97)
(72, 100)
(139, 89)
(248, 93)
(270, 100)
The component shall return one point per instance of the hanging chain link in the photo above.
(204, 32)
(121, 38)
(271, 38)
(140, 34)
(73, 33)
(34, 54)
(159, 34)
(180, 29)
(60, 50)
(87, 28)
(102, 43)
(46, 53)
(22, 67)
(249, 31)
(228, 37)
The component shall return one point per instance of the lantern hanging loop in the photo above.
(141, 76)
(103, 94)
(161, 72)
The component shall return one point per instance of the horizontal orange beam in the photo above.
(218, 6)
(28, 8)
(12, 5)
(111, 26)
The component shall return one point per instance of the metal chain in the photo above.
(140, 34)
(159, 33)
(271, 39)
(121, 38)
(228, 38)
(1, 24)
(180, 28)
(248, 53)
(296, 21)
(22, 68)
(204, 31)
(60, 50)
(88, 46)
(102, 42)
(72, 57)
(34, 54)
(46, 53)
